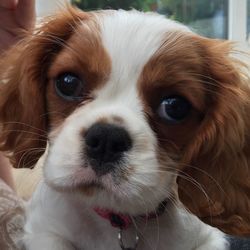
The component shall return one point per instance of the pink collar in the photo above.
(123, 221)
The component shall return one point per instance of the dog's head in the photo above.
(123, 99)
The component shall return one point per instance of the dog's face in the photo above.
(124, 98)
(108, 143)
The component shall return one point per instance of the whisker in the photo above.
(24, 131)
(26, 155)
(26, 125)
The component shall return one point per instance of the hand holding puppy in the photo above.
(15, 16)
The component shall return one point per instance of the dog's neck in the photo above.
(123, 221)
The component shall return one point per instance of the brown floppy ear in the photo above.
(218, 160)
(23, 72)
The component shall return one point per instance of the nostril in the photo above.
(93, 142)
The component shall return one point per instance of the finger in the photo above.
(8, 4)
(6, 40)
(25, 13)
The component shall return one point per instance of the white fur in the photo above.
(61, 220)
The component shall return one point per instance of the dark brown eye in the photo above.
(69, 86)
(174, 109)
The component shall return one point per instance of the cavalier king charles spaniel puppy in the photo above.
(126, 106)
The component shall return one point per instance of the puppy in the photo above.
(122, 101)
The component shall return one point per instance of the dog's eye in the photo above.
(69, 86)
(174, 109)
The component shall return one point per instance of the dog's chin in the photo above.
(107, 194)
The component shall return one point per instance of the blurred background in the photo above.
(228, 19)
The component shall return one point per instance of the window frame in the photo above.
(237, 21)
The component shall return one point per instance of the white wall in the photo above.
(47, 7)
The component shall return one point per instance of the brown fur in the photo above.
(212, 145)
(84, 56)
(218, 158)
(23, 72)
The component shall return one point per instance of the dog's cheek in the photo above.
(63, 157)
(151, 166)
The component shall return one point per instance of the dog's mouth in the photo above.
(86, 181)
(89, 189)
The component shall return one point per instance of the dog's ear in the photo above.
(218, 157)
(23, 72)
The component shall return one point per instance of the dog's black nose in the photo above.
(105, 146)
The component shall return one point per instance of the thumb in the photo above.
(8, 4)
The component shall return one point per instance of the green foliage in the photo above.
(182, 10)
(190, 10)
(115, 4)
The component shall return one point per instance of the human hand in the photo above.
(15, 15)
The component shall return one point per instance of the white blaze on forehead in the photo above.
(130, 39)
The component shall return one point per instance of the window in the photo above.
(207, 17)
(48, 7)
(211, 18)
(238, 20)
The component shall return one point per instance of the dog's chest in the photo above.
(98, 234)
(86, 230)
(102, 236)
